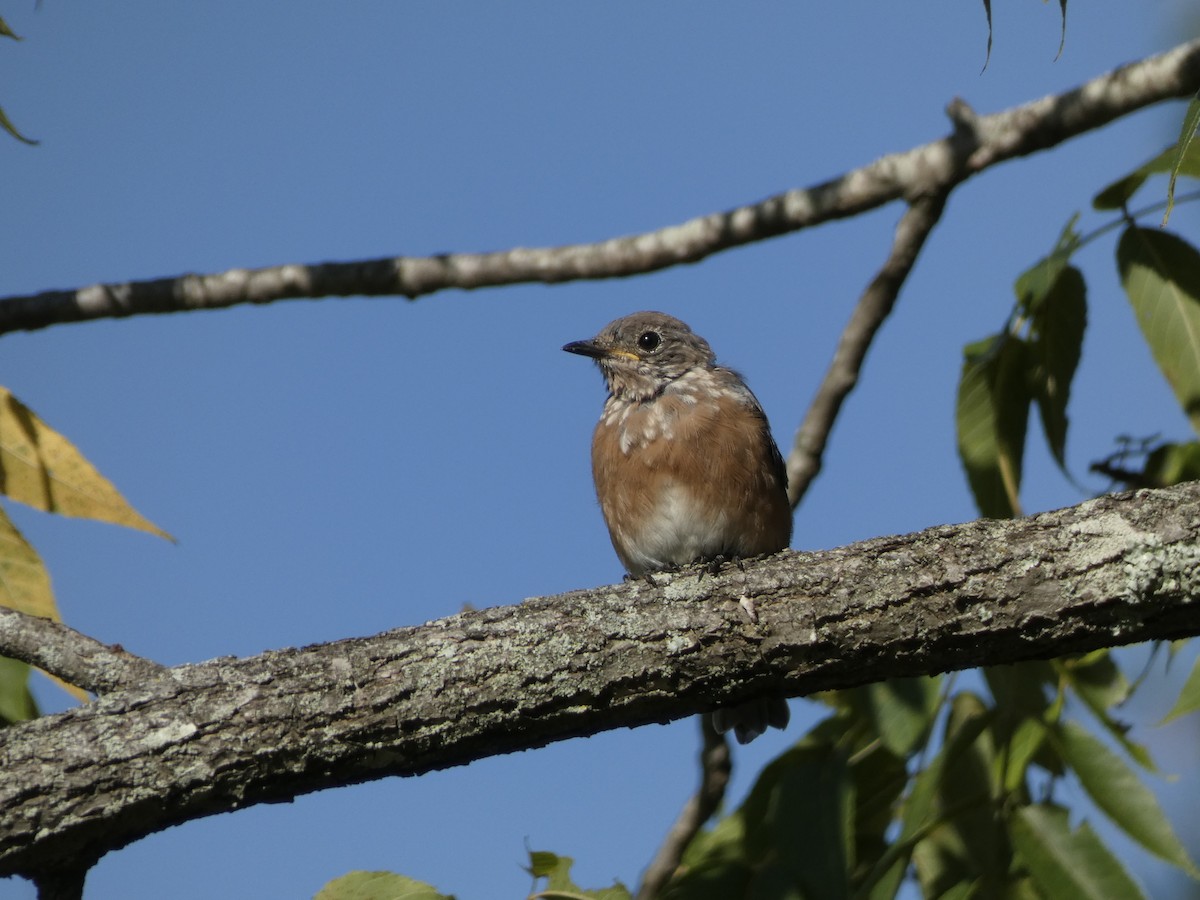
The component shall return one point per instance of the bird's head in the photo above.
(640, 354)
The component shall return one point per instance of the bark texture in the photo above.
(211, 737)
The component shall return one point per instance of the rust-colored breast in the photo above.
(690, 475)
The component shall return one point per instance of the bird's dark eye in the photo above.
(649, 341)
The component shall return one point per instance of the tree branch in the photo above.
(229, 733)
(874, 306)
(989, 140)
(73, 657)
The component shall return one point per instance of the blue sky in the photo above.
(339, 467)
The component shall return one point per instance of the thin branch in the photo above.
(73, 657)
(804, 462)
(715, 767)
(230, 733)
(991, 139)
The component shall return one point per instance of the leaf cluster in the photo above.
(917, 780)
(1032, 360)
(952, 788)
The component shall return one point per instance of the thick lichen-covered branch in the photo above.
(201, 739)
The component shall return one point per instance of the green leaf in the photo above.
(1187, 133)
(1188, 700)
(722, 843)
(1161, 276)
(1169, 464)
(16, 702)
(794, 834)
(1020, 690)
(800, 813)
(1026, 745)
(1185, 162)
(544, 864)
(920, 815)
(1035, 283)
(378, 886)
(991, 418)
(969, 786)
(1020, 695)
(1101, 685)
(557, 872)
(1096, 679)
(7, 32)
(1116, 789)
(1066, 863)
(900, 711)
(1058, 326)
(8, 126)
(879, 777)
(710, 881)
(714, 865)
(1022, 888)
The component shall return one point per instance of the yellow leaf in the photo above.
(25, 583)
(40, 467)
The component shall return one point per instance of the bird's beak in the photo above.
(597, 351)
(585, 348)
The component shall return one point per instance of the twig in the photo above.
(714, 778)
(73, 657)
(804, 462)
(989, 140)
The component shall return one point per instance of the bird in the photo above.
(684, 465)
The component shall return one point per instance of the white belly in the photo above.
(678, 532)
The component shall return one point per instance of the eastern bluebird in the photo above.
(685, 466)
